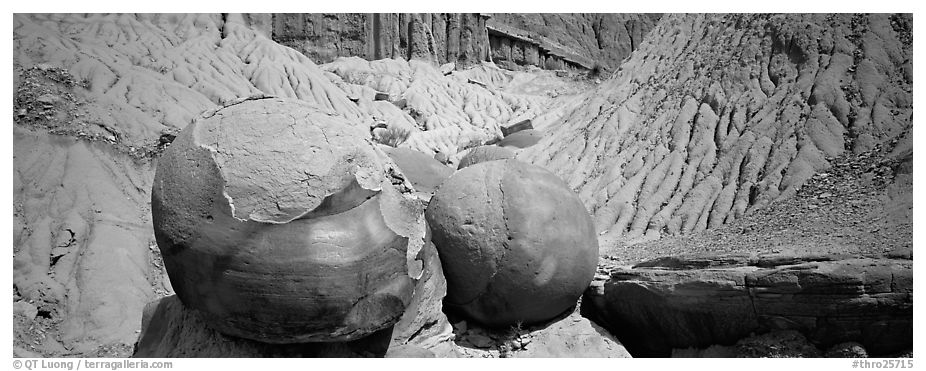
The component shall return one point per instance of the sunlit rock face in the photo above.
(278, 223)
(516, 244)
(483, 154)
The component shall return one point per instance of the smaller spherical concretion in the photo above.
(516, 244)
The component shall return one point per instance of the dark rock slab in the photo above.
(682, 302)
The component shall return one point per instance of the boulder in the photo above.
(483, 154)
(680, 302)
(516, 244)
(171, 330)
(279, 223)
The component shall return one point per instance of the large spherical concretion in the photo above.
(277, 223)
(515, 242)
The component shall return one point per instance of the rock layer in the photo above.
(459, 38)
(684, 302)
(606, 38)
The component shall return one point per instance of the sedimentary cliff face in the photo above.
(439, 37)
(462, 38)
(716, 115)
(606, 38)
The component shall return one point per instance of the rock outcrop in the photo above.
(549, 41)
(682, 302)
(458, 38)
(604, 38)
(717, 115)
(570, 335)
(517, 246)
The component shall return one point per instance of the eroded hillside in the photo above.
(717, 115)
(714, 116)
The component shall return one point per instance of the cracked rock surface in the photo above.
(271, 218)
(515, 243)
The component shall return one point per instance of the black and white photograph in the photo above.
(461, 185)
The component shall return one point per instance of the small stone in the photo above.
(47, 99)
(826, 195)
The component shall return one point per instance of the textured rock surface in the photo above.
(683, 302)
(483, 154)
(604, 37)
(171, 330)
(446, 113)
(775, 344)
(276, 222)
(515, 243)
(571, 336)
(459, 38)
(717, 115)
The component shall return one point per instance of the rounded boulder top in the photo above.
(516, 244)
(278, 222)
(485, 153)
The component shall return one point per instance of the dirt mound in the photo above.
(718, 115)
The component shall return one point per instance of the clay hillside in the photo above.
(462, 185)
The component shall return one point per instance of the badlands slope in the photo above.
(718, 115)
(98, 96)
(713, 117)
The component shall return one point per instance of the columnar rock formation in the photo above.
(603, 38)
(716, 115)
(440, 37)
(550, 41)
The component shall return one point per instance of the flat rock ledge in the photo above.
(685, 302)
